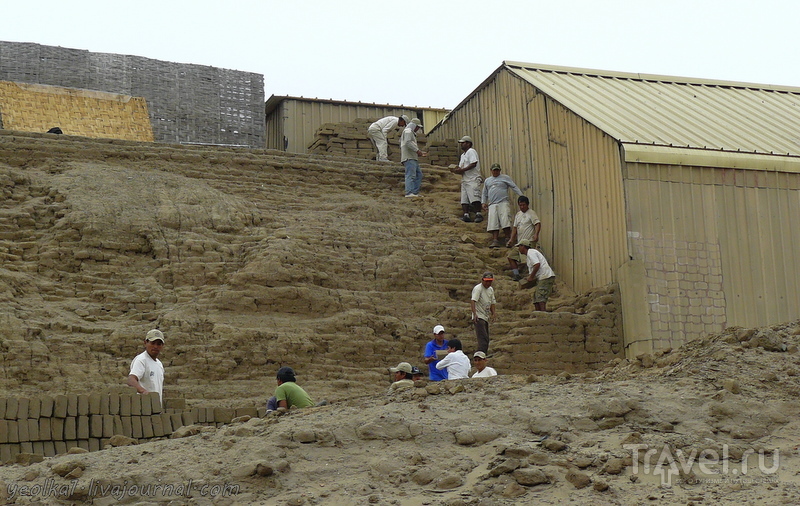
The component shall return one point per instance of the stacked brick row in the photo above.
(443, 153)
(52, 425)
(573, 339)
(351, 139)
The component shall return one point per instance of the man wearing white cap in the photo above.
(147, 371)
(483, 371)
(470, 169)
(409, 157)
(378, 130)
(431, 357)
(402, 376)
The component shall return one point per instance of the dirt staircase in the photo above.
(247, 260)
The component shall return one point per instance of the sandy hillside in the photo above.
(250, 260)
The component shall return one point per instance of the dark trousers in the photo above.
(482, 334)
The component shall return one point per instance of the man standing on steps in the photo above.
(526, 227)
(470, 170)
(540, 274)
(409, 153)
(431, 357)
(482, 303)
(147, 371)
(378, 130)
(495, 200)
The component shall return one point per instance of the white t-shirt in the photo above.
(487, 372)
(150, 372)
(467, 158)
(535, 257)
(526, 223)
(457, 365)
(484, 298)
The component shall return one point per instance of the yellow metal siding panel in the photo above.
(719, 247)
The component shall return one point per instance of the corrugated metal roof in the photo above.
(274, 100)
(675, 111)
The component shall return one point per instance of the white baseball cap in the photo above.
(437, 329)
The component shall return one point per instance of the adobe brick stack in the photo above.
(583, 336)
(444, 153)
(49, 426)
(351, 139)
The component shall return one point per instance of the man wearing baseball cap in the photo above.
(431, 357)
(409, 157)
(540, 274)
(483, 371)
(470, 169)
(378, 130)
(147, 371)
(402, 376)
(482, 304)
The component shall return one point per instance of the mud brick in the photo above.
(136, 405)
(61, 447)
(56, 429)
(22, 408)
(45, 431)
(127, 426)
(25, 447)
(70, 428)
(5, 453)
(83, 405)
(22, 431)
(175, 403)
(113, 404)
(11, 408)
(48, 448)
(166, 421)
(34, 407)
(108, 425)
(3, 408)
(176, 421)
(38, 448)
(157, 425)
(46, 407)
(72, 405)
(136, 427)
(188, 418)
(33, 428)
(246, 411)
(105, 404)
(95, 426)
(117, 424)
(60, 406)
(125, 405)
(83, 443)
(146, 406)
(82, 426)
(147, 427)
(94, 444)
(223, 415)
(155, 402)
(3, 432)
(262, 412)
(199, 415)
(94, 403)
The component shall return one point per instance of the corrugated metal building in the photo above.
(292, 122)
(685, 191)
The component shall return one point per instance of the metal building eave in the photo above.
(665, 155)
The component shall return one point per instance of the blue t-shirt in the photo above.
(430, 351)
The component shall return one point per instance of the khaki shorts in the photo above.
(498, 217)
(544, 287)
(518, 257)
(471, 191)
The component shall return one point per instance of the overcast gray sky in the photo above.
(431, 53)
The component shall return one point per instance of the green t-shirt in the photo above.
(293, 395)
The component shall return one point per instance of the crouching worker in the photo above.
(288, 393)
(402, 375)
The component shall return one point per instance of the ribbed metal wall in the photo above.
(720, 247)
(569, 169)
(292, 125)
